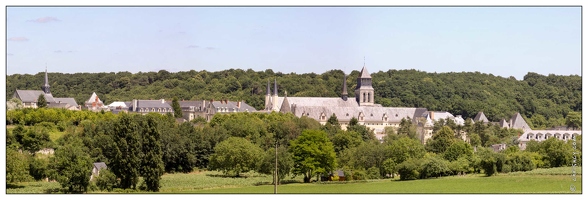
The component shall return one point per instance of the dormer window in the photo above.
(152, 109)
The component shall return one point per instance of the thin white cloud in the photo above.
(45, 20)
(18, 39)
(192, 46)
(9, 54)
(58, 51)
(210, 48)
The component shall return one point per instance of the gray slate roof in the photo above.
(481, 117)
(319, 101)
(32, 95)
(100, 165)
(518, 122)
(285, 108)
(364, 73)
(69, 101)
(503, 124)
(233, 105)
(187, 104)
(152, 104)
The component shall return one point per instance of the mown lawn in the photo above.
(555, 180)
(473, 184)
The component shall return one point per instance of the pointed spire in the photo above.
(275, 87)
(268, 88)
(364, 73)
(344, 94)
(46, 86)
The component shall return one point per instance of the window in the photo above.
(152, 109)
(347, 115)
(363, 97)
(369, 97)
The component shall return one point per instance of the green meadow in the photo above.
(550, 181)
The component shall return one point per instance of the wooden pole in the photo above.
(276, 171)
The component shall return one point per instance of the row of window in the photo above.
(547, 136)
(155, 110)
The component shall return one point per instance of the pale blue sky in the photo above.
(504, 41)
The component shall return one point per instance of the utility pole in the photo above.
(276, 171)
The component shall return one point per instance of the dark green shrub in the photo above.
(409, 169)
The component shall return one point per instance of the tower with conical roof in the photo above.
(364, 92)
(46, 86)
(275, 97)
(268, 97)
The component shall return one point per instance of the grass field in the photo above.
(555, 180)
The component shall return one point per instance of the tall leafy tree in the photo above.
(17, 166)
(177, 109)
(235, 155)
(441, 140)
(41, 101)
(574, 120)
(406, 148)
(313, 154)
(72, 167)
(126, 161)
(152, 167)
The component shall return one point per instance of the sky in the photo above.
(503, 41)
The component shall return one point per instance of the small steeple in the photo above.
(46, 86)
(275, 87)
(268, 88)
(344, 94)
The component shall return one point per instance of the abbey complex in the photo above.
(363, 108)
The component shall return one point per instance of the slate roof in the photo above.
(69, 101)
(285, 108)
(518, 122)
(364, 73)
(503, 124)
(152, 104)
(481, 117)
(100, 165)
(32, 95)
(319, 101)
(187, 104)
(233, 105)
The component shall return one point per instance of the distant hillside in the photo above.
(545, 100)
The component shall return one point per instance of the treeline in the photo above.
(146, 146)
(544, 100)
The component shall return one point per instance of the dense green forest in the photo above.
(543, 100)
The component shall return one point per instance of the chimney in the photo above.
(134, 105)
(162, 100)
(432, 115)
(238, 104)
(204, 103)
